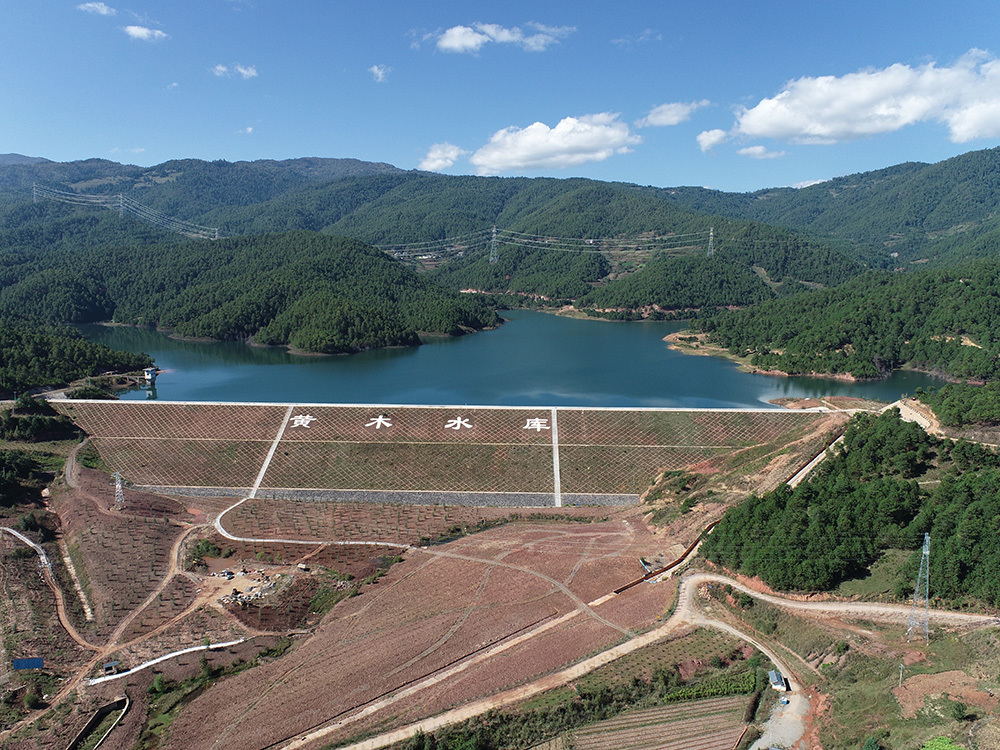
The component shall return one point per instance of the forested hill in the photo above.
(937, 212)
(379, 204)
(34, 354)
(941, 212)
(867, 499)
(946, 320)
(303, 289)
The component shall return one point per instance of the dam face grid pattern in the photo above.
(416, 449)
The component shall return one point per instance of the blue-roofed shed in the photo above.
(28, 664)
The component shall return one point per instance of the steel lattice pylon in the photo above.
(494, 255)
(920, 612)
(119, 493)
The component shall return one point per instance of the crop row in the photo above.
(174, 598)
(729, 684)
(700, 645)
(725, 708)
(627, 728)
(671, 737)
(123, 556)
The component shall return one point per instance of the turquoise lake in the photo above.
(534, 359)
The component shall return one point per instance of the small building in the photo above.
(35, 663)
(150, 374)
(111, 667)
(778, 681)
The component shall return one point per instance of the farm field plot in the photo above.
(172, 601)
(691, 652)
(590, 455)
(28, 623)
(437, 609)
(553, 650)
(122, 555)
(186, 633)
(714, 724)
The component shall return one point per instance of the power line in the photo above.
(494, 238)
(123, 204)
(455, 245)
(623, 239)
(419, 246)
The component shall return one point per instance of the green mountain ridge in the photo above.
(804, 255)
(300, 289)
(382, 205)
(918, 211)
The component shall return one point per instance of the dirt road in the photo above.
(50, 581)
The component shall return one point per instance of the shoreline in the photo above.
(696, 344)
(291, 349)
(689, 342)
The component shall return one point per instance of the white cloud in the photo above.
(441, 156)
(645, 36)
(99, 8)
(471, 39)
(709, 139)
(244, 71)
(144, 33)
(245, 131)
(573, 141)
(672, 113)
(759, 152)
(380, 72)
(979, 119)
(173, 86)
(829, 109)
(461, 39)
(545, 36)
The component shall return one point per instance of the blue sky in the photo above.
(730, 95)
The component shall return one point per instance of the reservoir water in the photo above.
(535, 359)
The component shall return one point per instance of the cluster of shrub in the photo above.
(31, 420)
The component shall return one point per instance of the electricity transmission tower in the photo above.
(122, 204)
(494, 255)
(711, 242)
(119, 494)
(920, 612)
